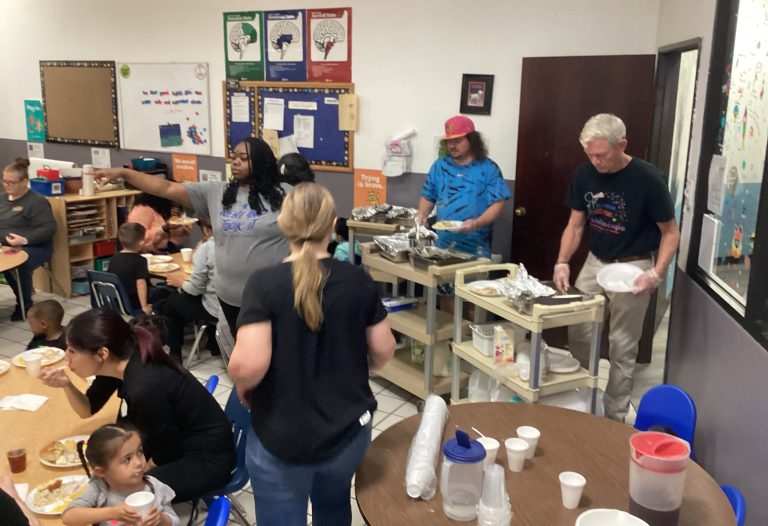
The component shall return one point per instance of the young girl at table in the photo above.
(116, 455)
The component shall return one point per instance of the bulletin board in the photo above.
(80, 102)
(318, 103)
(239, 115)
(165, 107)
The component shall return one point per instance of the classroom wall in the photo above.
(408, 57)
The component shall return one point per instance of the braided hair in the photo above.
(264, 179)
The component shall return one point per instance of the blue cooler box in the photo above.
(47, 186)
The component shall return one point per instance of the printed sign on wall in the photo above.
(370, 187)
(329, 45)
(243, 45)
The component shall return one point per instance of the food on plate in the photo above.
(58, 492)
(181, 221)
(163, 267)
(160, 259)
(486, 291)
(49, 356)
(446, 225)
(61, 453)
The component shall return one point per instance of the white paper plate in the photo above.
(163, 267)
(450, 226)
(4, 366)
(561, 363)
(77, 484)
(50, 355)
(618, 277)
(605, 517)
(73, 440)
(485, 288)
(182, 221)
(159, 259)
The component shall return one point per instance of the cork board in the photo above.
(80, 102)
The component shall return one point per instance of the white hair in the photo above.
(603, 126)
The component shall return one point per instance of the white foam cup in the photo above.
(531, 435)
(33, 362)
(141, 502)
(186, 254)
(517, 448)
(491, 446)
(571, 486)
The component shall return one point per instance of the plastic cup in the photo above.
(491, 446)
(571, 486)
(494, 494)
(531, 435)
(17, 459)
(186, 255)
(517, 448)
(141, 502)
(33, 362)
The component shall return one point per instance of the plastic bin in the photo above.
(80, 270)
(482, 338)
(103, 248)
(80, 286)
(72, 185)
(102, 264)
(47, 187)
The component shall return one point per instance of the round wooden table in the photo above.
(54, 420)
(12, 261)
(596, 447)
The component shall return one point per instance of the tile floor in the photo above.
(394, 403)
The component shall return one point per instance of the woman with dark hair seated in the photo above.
(153, 213)
(188, 439)
(243, 213)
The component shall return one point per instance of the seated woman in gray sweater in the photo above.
(26, 223)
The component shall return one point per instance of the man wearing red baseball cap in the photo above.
(466, 186)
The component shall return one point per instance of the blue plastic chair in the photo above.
(211, 383)
(240, 419)
(738, 503)
(218, 512)
(669, 407)
(108, 291)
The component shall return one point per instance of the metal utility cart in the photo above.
(370, 229)
(425, 324)
(542, 317)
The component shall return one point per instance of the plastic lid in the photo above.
(660, 448)
(463, 450)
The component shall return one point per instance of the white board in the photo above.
(165, 107)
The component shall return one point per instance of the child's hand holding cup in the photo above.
(141, 502)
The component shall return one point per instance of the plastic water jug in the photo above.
(657, 467)
(461, 478)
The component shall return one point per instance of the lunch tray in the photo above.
(423, 263)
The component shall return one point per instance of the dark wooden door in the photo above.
(558, 95)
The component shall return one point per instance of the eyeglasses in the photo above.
(6, 181)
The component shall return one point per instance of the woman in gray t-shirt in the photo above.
(243, 213)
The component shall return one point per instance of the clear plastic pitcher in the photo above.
(657, 467)
(461, 478)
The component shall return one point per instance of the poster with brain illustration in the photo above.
(284, 45)
(243, 44)
(329, 45)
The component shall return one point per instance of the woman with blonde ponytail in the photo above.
(308, 332)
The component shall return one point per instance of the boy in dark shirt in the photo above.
(44, 320)
(133, 270)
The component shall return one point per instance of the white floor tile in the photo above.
(389, 404)
(16, 334)
(222, 395)
(246, 500)
(357, 518)
(406, 410)
(388, 422)
(378, 416)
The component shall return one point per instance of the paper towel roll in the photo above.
(88, 183)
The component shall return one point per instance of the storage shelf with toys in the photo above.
(86, 230)
(587, 310)
(423, 324)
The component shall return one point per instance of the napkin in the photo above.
(22, 489)
(25, 402)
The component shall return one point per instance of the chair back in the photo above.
(670, 407)
(738, 503)
(218, 512)
(240, 418)
(108, 291)
(211, 383)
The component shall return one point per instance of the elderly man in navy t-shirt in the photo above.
(631, 219)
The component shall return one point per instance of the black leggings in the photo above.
(193, 477)
(231, 313)
(181, 310)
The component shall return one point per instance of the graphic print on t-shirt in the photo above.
(239, 221)
(607, 212)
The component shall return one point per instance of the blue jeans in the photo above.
(37, 256)
(280, 490)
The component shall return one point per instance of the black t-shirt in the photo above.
(10, 513)
(40, 341)
(129, 266)
(622, 208)
(175, 414)
(309, 404)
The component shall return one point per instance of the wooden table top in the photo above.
(54, 420)
(11, 260)
(596, 447)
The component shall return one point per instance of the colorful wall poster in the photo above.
(329, 45)
(284, 44)
(184, 167)
(243, 45)
(370, 187)
(33, 109)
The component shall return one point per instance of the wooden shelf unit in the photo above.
(65, 250)
(424, 324)
(542, 317)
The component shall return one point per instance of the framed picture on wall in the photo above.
(476, 94)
